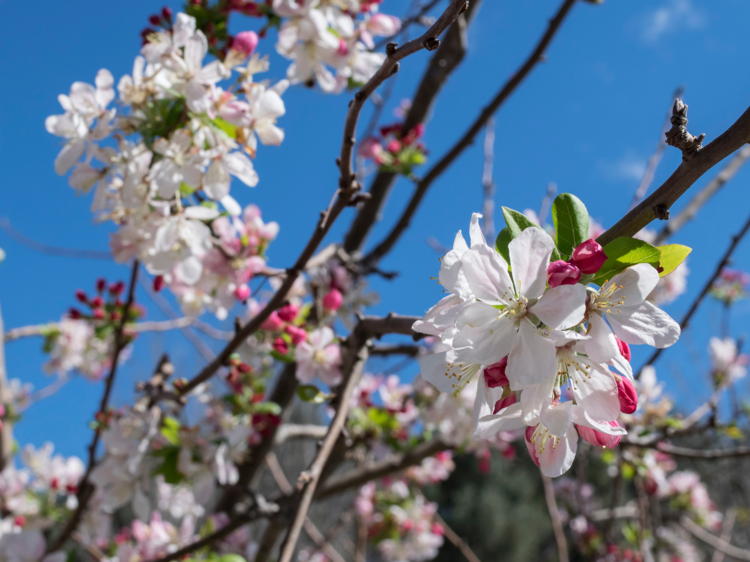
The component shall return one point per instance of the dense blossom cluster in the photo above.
(541, 342)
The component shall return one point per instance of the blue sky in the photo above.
(587, 119)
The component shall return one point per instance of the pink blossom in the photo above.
(598, 438)
(370, 148)
(589, 257)
(298, 335)
(332, 300)
(624, 348)
(627, 395)
(288, 312)
(494, 375)
(242, 293)
(245, 42)
(273, 322)
(562, 273)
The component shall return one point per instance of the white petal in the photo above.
(637, 282)
(508, 420)
(487, 274)
(581, 417)
(555, 461)
(475, 231)
(597, 394)
(557, 419)
(212, 73)
(195, 49)
(105, 91)
(533, 358)
(216, 181)
(561, 307)
(433, 369)
(269, 134)
(241, 167)
(198, 212)
(69, 155)
(189, 270)
(487, 344)
(428, 324)
(232, 207)
(602, 345)
(529, 258)
(533, 398)
(645, 325)
(184, 28)
(622, 365)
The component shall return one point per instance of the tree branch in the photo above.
(390, 465)
(549, 496)
(706, 288)
(699, 532)
(6, 433)
(85, 488)
(423, 185)
(457, 541)
(708, 454)
(657, 204)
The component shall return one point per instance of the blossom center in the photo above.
(607, 299)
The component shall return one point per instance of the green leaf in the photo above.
(171, 430)
(288, 358)
(622, 253)
(311, 393)
(571, 220)
(267, 408)
(168, 468)
(231, 558)
(672, 256)
(517, 222)
(501, 243)
(186, 190)
(226, 127)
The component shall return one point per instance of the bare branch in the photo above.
(51, 250)
(701, 198)
(726, 534)
(384, 350)
(357, 357)
(390, 465)
(292, 431)
(706, 288)
(549, 496)
(423, 185)
(699, 532)
(392, 324)
(657, 204)
(6, 433)
(678, 135)
(452, 536)
(85, 488)
(655, 158)
(708, 454)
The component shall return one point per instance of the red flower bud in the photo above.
(166, 13)
(158, 283)
(589, 257)
(281, 346)
(298, 335)
(494, 375)
(562, 273)
(332, 300)
(598, 438)
(100, 284)
(273, 322)
(624, 349)
(74, 313)
(154, 20)
(242, 293)
(97, 302)
(288, 312)
(117, 288)
(627, 395)
(99, 313)
(81, 296)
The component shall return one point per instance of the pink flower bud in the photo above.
(598, 438)
(437, 529)
(393, 146)
(117, 288)
(370, 148)
(166, 13)
(298, 335)
(505, 402)
(494, 375)
(343, 49)
(589, 257)
(158, 283)
(333, 300)
(99, 313)
(288, 312)
(562, 273)
(273, 322)
(624, 349)
(281, 346)
(381, 24)
(245, 42)
(529, 445)
(627, 395)
(242, 293)
(100, 284)
(97, 302)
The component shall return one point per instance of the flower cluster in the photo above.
(331, 41)
(164, 188)
(730, 286)
(541, 344)
(396, 150)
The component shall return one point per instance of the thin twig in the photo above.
(488, 186)
(51, 250)
(423, 185)
(406, 22)
(708, 454)
(726, 534)
(85, 488)
(457, 541)
(706, 288)
(549, 496)
(292, 431)
(655, 158)
(6, 433)
(699, 532)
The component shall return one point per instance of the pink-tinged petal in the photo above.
(532, 360)
(195, 50)
(533, 399)
(556, 461)
(241, 167)
(622, 366)
(597, 393)
(428, 324)
(561, 307)
(599, 438)
(627, 396)
(529, 258)
(476, 235)
(589, 257)
(647, 325)
(487, 344)
(487, 274)
(508, 420)
(582, 418)
(602, 345)
(557, 419)
(633, 285)
(562, 273)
